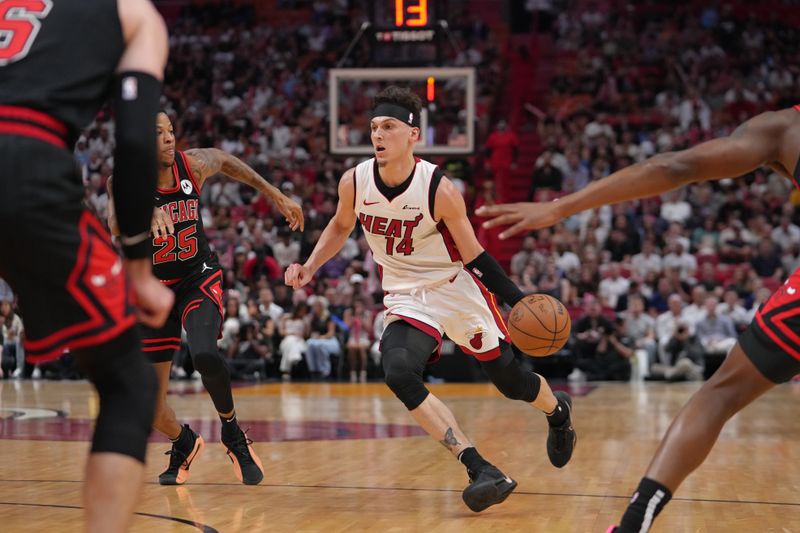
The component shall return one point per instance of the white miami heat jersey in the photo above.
(411, 249)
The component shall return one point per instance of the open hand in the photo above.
(522, 216)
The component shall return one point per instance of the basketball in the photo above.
(539, 325)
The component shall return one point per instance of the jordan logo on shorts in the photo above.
(206, 267)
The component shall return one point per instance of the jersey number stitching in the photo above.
(405, 246)
(186, 243)
(20, 22)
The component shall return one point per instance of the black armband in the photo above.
(491, 274)
(136, 101)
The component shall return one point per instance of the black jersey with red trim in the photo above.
(59, 57)
(183, 253)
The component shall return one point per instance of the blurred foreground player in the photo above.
(59, 62)
(437, 279)
(183, 261)
(767, 353)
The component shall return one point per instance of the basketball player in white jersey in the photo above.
(416, 224)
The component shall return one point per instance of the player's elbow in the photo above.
(342, 227)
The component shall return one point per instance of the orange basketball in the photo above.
(539, 325)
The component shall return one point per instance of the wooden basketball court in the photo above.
(343, 457)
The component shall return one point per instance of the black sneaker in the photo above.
(177, 471)
(246, 464)
(561, 439)
(488, 486)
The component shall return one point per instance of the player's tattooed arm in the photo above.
(450, 441)
(205, 162)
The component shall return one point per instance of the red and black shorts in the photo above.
(57, 256)
(198, 289)
(772, 341)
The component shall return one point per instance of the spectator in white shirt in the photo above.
(613, 286)
(267, 305)
(566, 260)
(731, 308)
(716, 333)
(640, 327)
(675, 208)
(286, 250)
(678, 258)
(693, 108)
(224, 192)
(696, 311)
(667, 322)
(647, 261)
(786, 234)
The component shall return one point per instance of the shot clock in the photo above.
(406, 32)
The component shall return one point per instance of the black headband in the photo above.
(405, 115)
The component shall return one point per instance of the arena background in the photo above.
(566, 92)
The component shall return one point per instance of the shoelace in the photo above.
(239, 446)
(562, 434)
(177, 458)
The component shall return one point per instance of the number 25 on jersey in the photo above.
(185, 242)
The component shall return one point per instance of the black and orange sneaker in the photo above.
(179, 461)
(488, 486)
(246, 464)
(561, 439)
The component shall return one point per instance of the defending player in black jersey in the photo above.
(183, 260)
(767, 353)
(60, 60)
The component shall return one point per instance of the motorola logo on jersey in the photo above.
(186, 186)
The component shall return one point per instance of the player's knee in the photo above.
(404, 381)
(510, 379)
(127, 386)
(208, 362)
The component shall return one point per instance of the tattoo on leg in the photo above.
(450, 441)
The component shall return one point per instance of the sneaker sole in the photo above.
(237, 468)
(481, 497)
(183, 473)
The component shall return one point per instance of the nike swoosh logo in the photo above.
(508, 480)
(370, 203)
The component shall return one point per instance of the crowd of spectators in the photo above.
(657, 287)
(260, 92)
(665, 282)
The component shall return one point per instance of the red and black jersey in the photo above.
(57, 60)
(184, 252)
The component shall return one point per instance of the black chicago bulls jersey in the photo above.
(183, 253)
(55, 59)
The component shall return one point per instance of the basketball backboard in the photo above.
(447, 118)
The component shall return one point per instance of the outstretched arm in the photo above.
(755, 143)
(333, 237)
(206, 162)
